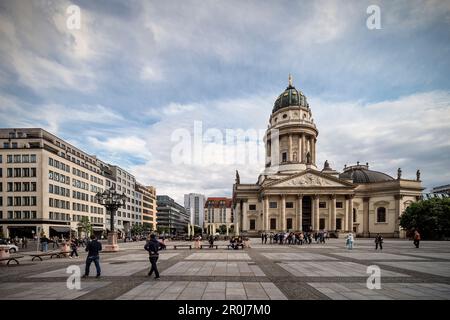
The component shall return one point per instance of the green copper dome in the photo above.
(290, 97)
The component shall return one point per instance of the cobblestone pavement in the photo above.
(262, 272)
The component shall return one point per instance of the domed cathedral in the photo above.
(292, 194)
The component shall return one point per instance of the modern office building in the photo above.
(194, 203)
(218, 215)
(48, 185)
(148, 207)
(171, 215)
(441, 189)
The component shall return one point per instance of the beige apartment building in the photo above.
(148, 206)
(293, 194)
(218, 215)
(49, 185)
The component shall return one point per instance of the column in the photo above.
(290, 158)
(398, 213)
(283, 213)
(316, 213)
(266, 213)
(300, 149)
(244, 216)
(214, 228)
(366, 230)
(313, 150)
(227, 229)
(303, 148)
(333, 213)
(345, 226)
(350, 213)
(300, 213)
(189, 229)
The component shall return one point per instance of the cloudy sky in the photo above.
(137, 75)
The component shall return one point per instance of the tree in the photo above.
(431, 217)
(223, 229)
(85, 226)
(137, 229)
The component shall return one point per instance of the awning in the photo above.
(97, 228)
(60, 229)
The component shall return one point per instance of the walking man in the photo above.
(416, 238)
(262, 238)
(378, 241)
(93, 248)
(153, 246)
(74, 248)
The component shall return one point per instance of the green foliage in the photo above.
(431, 217)
(137, 229)
(162, 229)
(223, 229)
(85, 225)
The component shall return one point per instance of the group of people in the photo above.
(298, 238)
(236, 242)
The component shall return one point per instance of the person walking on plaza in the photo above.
(93, 248)
(24, 243)
(262, 238)
(211, 241)
(416, 238)
(349, 242)
(153, 246)
(378, 241)
(74, 248)
(271, 237)
(44, 243)
(265, 238)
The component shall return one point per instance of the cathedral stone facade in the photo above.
(292, 194)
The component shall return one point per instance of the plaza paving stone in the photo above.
(432, 267)
(331, 269)
(264, 271)
(375, 256)
(218, 256)
(45, 291)
(296, 256)
(109, 269)
(388, 291)
(213, 268)
(186, 290)
(141, 257)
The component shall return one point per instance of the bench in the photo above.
(57, 254)
(236, 245)
(182, 246)
(207, 246)
(11, 258)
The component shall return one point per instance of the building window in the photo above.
(273, 224)
(381, 214)
(33, 158)
(339, 205)
(289, 223)
(252, 207)
(252, 224)
(284, 157)
(354, 215)
(322, 205)
(339, 224)
(273, 205)
(289, 205)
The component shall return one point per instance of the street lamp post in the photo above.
(111, 200)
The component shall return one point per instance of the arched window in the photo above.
(381, 214)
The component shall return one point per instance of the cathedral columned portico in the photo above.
(293, 195)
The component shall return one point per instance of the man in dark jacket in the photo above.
(153, 246)
(93, 248)
(378, 241)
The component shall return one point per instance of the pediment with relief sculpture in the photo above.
(310, 179)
